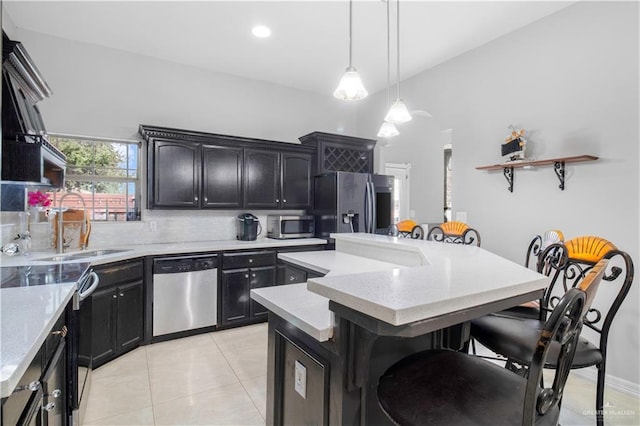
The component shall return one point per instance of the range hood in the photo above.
(27, 155)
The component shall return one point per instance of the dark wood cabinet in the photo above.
(296, 180)
(277, 180)
(222, 171)
(241, 272)
(262, 179)
(200, 170)
(340, 153)
(118, 310)
(176, 174)
(54, 388)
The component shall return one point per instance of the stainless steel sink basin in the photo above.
(81, 255)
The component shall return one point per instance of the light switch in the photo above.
(300, 379)
(153, 226)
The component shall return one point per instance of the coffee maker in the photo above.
(248, 227)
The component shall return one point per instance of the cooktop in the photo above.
(33, 275)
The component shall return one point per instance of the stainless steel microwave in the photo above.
(292, 226)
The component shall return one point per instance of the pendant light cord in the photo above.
(388, 60)
(398, 47)
(350, 30)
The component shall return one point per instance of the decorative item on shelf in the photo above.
(23, 239)
(350, 87)
(38, 204)
(514, 145)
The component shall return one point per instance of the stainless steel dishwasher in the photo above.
(185, 292)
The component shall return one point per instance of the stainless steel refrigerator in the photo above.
(353, 202)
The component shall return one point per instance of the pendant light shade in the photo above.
(350, 87)
(387, 130)
(398, 113)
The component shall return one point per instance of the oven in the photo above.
(291, 226)
(80, 353)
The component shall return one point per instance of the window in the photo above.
(400, 172)
(105, 172)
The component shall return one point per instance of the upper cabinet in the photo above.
(340, 153)
(176, 174)
(200, 170)
(222, 168)
(277, 180)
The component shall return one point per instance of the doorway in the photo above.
(401, 202)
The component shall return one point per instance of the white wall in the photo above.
(99, 91)
(571, 80)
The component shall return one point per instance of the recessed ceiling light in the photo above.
(261, 31)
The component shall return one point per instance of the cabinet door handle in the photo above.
(253, 275)
(49, 407)
(292, 278)
(195, 198)
(206, 199)
(277, 200)
(250, 260)
(62, 332)
(121, 294)
(284, 201)
(246, 275)
(115, 296)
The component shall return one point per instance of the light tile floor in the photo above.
(220, 379)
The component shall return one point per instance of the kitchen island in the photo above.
(421, 297)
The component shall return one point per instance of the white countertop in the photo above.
(444, 278)
(26, 317)
(28, 313)
(306, 310)
(456, 277)
(133, 251)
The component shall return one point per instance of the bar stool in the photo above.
(447, 387)
(406, 229)
(510, 336)
(454, 232)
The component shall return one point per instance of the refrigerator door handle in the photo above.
(369, 208)
(366, 207)
(373, 208)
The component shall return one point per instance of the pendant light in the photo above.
(388, 130)
(398, 113)
(350, 87)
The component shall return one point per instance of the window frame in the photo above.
(99, 178)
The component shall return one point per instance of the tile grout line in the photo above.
(153, 411)
(236, 374)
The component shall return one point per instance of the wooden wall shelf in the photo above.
(557, 163)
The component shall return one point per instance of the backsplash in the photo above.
(156, 226)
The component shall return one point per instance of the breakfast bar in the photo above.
(325, 358)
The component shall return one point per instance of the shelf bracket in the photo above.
(508, 174)
(558, 167)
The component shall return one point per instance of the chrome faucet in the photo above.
(61, 245)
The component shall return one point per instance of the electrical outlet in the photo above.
(300, 379)
(153, 226)
(412, 213)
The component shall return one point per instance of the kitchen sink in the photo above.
(80, 255)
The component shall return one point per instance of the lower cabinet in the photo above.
(236, 288)
(241, 272)
(118, 310)
(41, 395)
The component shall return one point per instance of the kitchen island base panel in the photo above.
(342, 374)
